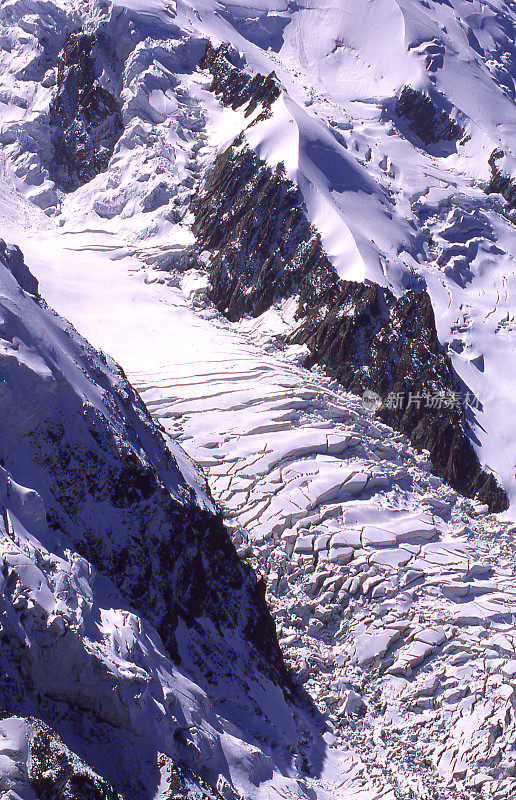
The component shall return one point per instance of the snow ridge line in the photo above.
(263, 249)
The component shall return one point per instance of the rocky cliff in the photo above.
(425, 119)
(263, 249)
(501, 182)
(85, 118)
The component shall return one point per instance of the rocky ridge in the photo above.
(233, 86)
(429, 123)
(85, 118)
(253, 222)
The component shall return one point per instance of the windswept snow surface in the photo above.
(394, 598)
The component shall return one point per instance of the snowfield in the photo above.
(394, 598)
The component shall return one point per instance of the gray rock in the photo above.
(86, 119)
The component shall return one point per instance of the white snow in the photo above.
(393, 597)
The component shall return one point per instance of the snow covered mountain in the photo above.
(264, 212)
(106, 537)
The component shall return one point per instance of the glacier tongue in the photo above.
(391, 594)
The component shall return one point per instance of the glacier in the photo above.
(144, 530)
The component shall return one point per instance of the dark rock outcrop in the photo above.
(54, 771)
(233, 86)
(249, 217)
(368, 339)
(85, 119)
(423, 118)
(501, 183)
(263, 249)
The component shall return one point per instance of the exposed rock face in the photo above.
(262, 245)
(54, 771)
(501, 183)
(233, 86)
(264, 249)
(424, 119)
(37, 763)
(369, 340)
(112, 489)
(172, 560)
(86, 120)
